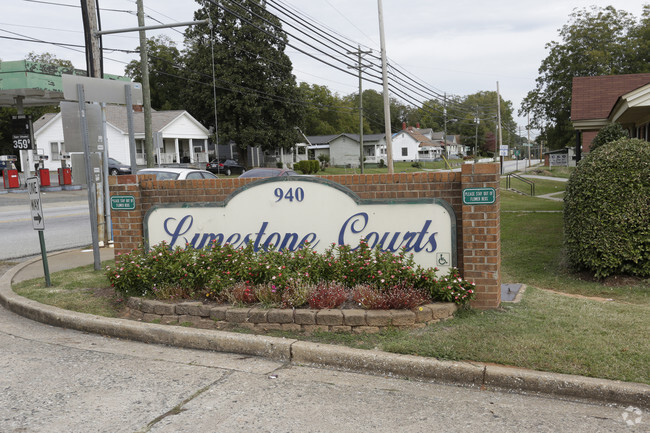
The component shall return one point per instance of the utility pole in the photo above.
(384, 75)
(93, 64)
(146, 89)
(528, 140)
(444, 133)
(360, 67)
(499, 126)
(476, 120)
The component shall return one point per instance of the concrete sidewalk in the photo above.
(61, 261)
(473, 374)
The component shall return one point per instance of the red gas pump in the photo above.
(9, 172)
(10, 178)
(42, 172)
(65, 176)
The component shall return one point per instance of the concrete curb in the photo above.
(483, 376)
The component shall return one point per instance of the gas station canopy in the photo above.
(37, 84)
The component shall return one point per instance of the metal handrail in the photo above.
(523, 179)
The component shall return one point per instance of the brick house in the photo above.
(597, 101)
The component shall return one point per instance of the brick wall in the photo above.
(478, 227)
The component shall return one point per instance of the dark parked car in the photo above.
(269, 172)
(115, 167)
(225, 166)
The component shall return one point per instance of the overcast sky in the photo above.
(459, 47)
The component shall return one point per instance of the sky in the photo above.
(459, 47)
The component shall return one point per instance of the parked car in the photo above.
(115, 167)
(269, 172)
(163, 173)
(225, 166)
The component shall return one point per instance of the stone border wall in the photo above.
(478, 226)
(275, 319)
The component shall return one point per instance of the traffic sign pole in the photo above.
(46, 269)
(38, 221)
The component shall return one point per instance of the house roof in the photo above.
(116, 116)
(43, 120)
(632, 107)
(326, 139)
(594, 97)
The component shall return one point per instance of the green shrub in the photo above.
(309, 166)
(282, 278)
(607, 210)
(609, 133)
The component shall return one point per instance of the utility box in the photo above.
(65, 176)
(11, 179)
(44, 176)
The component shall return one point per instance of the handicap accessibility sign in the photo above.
(443, 259)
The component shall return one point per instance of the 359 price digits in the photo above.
(21, 143)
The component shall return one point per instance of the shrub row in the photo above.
(370, 278)
(310, 166)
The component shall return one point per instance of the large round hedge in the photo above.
(607, 210)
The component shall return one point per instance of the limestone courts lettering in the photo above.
(297, 212)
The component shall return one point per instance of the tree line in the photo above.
(252, 97)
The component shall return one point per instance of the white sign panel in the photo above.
(503, 150)
(291, 213)
(35, 205)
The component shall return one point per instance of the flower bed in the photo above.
(367, 278)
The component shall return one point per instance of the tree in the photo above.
(165, 73)
(48, 59)
(258, 102)
(596, 41)
(327, 113)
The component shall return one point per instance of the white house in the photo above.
(411, 144)
(182, 138)
(343, 149)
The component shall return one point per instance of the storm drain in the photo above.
(509, 292)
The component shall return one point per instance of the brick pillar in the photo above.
(481, 236)
(128, 232)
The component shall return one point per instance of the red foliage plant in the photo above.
(327, 295)
(398, 297)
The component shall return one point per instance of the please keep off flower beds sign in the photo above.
(309, 212)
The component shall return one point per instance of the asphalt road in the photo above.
(67, 223)
(57, 380)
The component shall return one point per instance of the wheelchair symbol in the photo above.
(442, 259)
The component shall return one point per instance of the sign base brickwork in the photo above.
(477, 225)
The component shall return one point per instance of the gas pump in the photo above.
(9, 172)
(42, 172)
(65, 172)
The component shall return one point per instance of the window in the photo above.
(405, 151)
(56, 150)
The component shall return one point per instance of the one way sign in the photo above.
(38, 221)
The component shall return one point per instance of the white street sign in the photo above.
(38, 220)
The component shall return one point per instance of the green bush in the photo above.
(307, 166)
(282, 278)
(609, 133)
(607, 210)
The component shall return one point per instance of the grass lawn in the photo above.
(556, 327)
